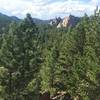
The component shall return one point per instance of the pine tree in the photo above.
(19, 53)
(47, 71)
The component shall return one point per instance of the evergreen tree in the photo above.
(19, 53)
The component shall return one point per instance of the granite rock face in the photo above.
(65, 22)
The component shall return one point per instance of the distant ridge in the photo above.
(39, 21)
(58, 22)
(6, 20)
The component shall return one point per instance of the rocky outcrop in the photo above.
(65, 22)
(73, 20)
(59, 96)
(68, 21)
(55, 21)
(59, 25)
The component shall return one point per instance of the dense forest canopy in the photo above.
(34, 59)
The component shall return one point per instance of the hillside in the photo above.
(40, 22)
(6, 20)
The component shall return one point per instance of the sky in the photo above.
(47, 9)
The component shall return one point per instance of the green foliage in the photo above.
(39, 58)
(19, 55)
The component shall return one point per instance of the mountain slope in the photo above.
(6, 20)
(39, 21)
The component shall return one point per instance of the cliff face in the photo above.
(55, 21)
(73, 20)
(65, 22)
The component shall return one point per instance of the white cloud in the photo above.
(94, 1)
(47, 8)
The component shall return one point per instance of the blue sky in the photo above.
(46, 9)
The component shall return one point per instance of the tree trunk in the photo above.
(10, 85)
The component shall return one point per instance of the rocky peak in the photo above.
(68, 21)
(65, 22)
(55, 21)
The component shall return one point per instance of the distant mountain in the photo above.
(58, 22)
(39, 21)
(6, 20)
(14, 18)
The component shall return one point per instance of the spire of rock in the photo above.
(65, 22)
